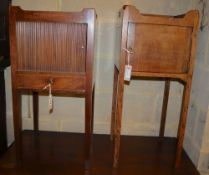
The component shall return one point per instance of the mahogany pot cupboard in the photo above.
(156, 47)
(52, 51)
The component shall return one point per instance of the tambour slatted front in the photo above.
(52, 52)
(51, 47)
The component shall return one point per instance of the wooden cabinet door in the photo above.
(51, 47)
(159, 48)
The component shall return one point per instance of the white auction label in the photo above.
(127, 75)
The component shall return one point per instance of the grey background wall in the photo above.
(197, 133)
(143, 99)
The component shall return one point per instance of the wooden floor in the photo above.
(53, 153)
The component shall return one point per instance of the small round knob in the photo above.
(51, 81)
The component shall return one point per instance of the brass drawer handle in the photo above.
(51, 81)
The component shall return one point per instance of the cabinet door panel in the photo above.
(159, 48)
(51, 47)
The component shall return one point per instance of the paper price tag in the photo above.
(50, 103)
(128, 69)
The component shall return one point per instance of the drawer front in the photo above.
(159, 48)
(63, 83)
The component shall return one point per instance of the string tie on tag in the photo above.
(128, 68)
(50, 102)
(129, 51)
